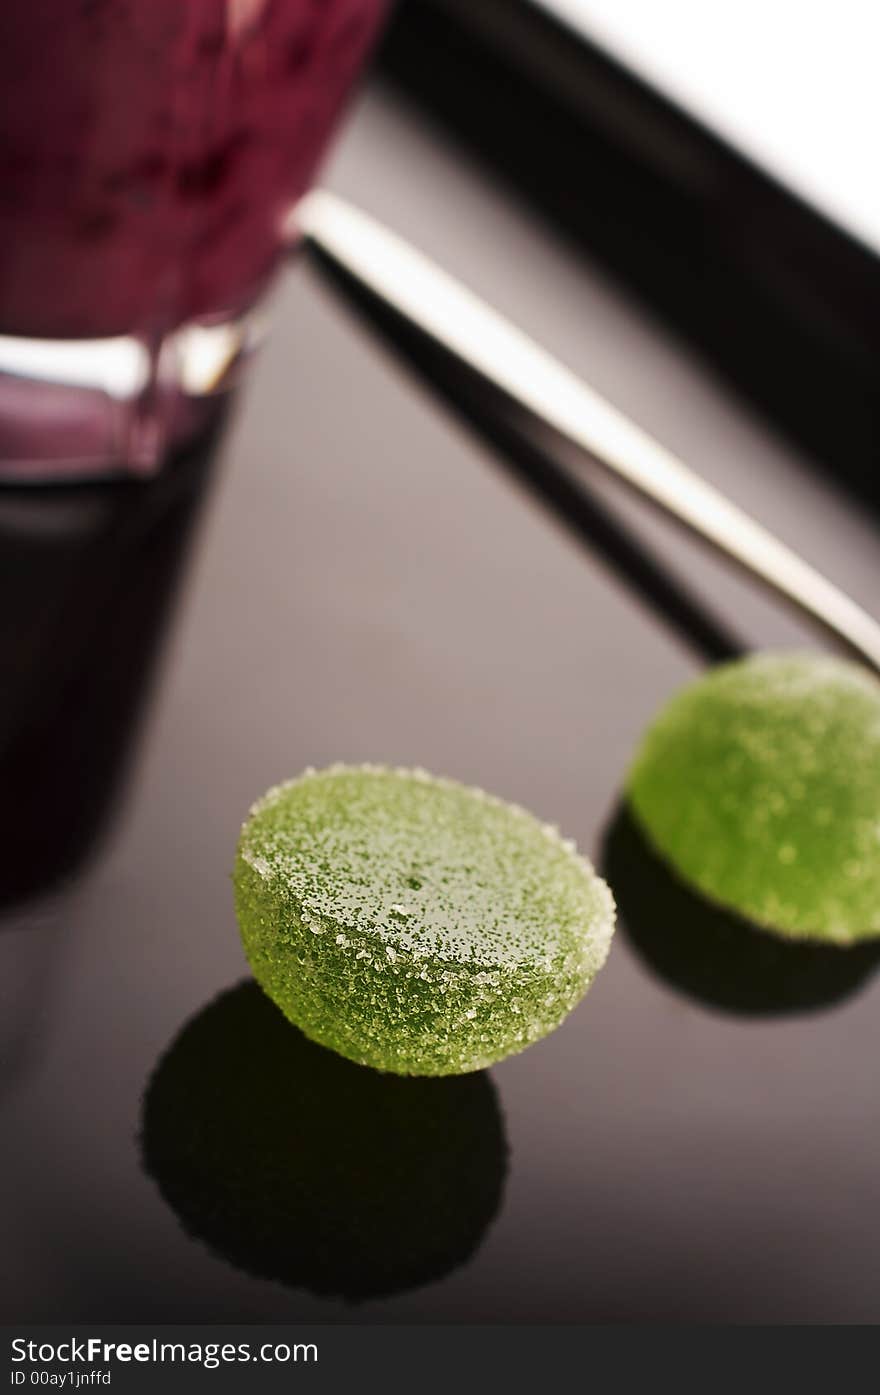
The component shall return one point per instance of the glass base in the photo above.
(82, 409)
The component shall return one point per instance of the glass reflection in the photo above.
(88, 578)
(299, 1166)
(713, 955)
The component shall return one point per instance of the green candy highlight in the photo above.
(760, 785)
(414, 924)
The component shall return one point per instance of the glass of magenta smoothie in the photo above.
(151, 151)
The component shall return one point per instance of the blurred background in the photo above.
(686, 213)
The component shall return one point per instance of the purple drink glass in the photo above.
(151, 152)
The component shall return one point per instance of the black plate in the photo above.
(364, 581)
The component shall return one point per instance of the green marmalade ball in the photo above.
(413, 924)
(760, 784)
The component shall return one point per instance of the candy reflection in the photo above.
(708, 953)
(299, 1166)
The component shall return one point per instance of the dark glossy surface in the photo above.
(786, 304)
(365, 582)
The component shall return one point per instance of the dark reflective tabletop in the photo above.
(349, 574)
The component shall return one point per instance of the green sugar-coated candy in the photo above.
(760, 784)
(414, 924)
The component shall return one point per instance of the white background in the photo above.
(792, 83)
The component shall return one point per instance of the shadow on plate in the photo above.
(711, 954)
(299, 1166)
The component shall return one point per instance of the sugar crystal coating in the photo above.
(412, 923)
(760, 783)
